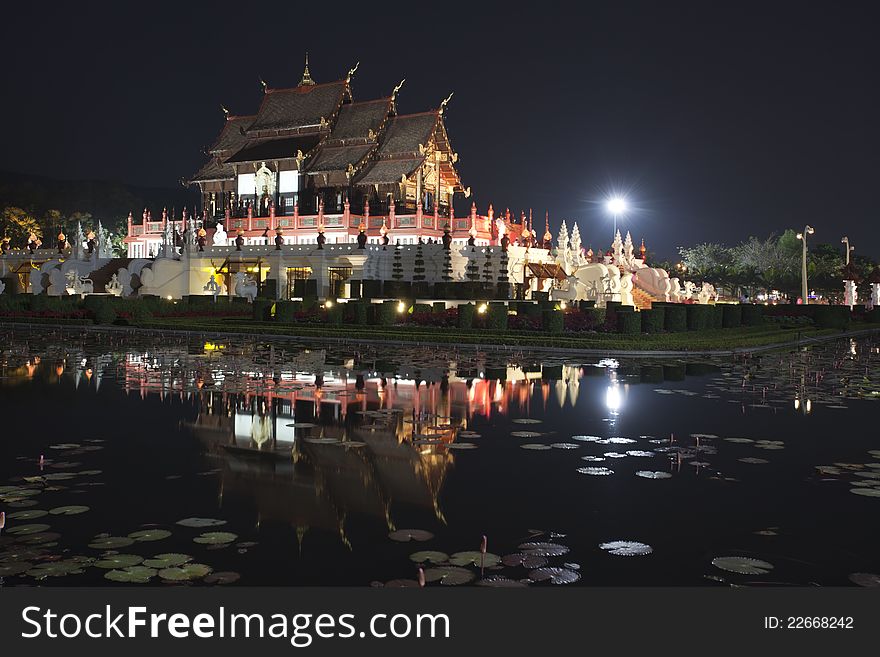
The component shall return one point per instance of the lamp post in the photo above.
(845, 240)
(808, 230)
(616, 207)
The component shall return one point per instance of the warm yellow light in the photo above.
(482, 308)
(328, 304)
(401, 307)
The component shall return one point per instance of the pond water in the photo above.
(172, 459)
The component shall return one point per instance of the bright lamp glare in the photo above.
(612, 398)
(616, 205)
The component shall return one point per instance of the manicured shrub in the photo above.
(334, 314)
(285, 311)
(716, 317)
(834, 317)
(359, 313)
(589, 319)
(104, 314)
(553, 321)
(496, 316)
(422, 308)
(752, 314)
(731, 315)
(466, 315)
(873, 316)
(675, 318)
(697, 317)
(629, 322)
(439, 306)
(262, 309)
(652, 320)
(386, 313)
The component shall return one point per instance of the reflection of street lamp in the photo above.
(808, 230)
(845, 240)
(616, 207)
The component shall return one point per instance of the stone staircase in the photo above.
(642, 299)
(101, 276)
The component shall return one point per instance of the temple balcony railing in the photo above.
(344, 221)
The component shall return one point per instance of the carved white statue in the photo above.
(245, 286)
(220, 236)
(77, 285)
(114, 287)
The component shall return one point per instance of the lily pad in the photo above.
(555, 575)
(119, 561)
(449, 575)
(110, 542)
(627, 548)
(475, 558)
(30, 514)
(542, 549)
(525, 434)
(431, 556)
(22, 530)
(499, 581)
(535, 446)
(406, 535)
(131, 575)
(866, 492)
(149, 535)
(185, 572)
(215, 538)
(224, 577)
(530, 561)
(742, 565)
(167, 560)
(201, 522)
(68, 510)
(870, 580)
(595, 471)
(653, 474)
(12, 568)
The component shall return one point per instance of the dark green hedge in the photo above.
(731, 315)
(629, 322)
(835, 317)
(652, 320)
(262, 309)
(698, 317)
(675, 318)
(496, 317)
(553, 321)
(285, 311)
(752, 314)
(386, 313)
(466, 315)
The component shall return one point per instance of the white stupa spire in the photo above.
(562, 239)
(575, 246)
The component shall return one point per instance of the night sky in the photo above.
(718, 121)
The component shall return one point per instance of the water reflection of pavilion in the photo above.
(315, 475)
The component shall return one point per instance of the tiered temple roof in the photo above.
(327, 134)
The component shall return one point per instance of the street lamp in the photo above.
(616, 207)
(808, 230)
(845, 240)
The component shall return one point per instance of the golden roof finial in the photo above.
(225, 111)
(264, 85)
(307, 77)
(397, 88)
(351, 72)
(445, 102)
